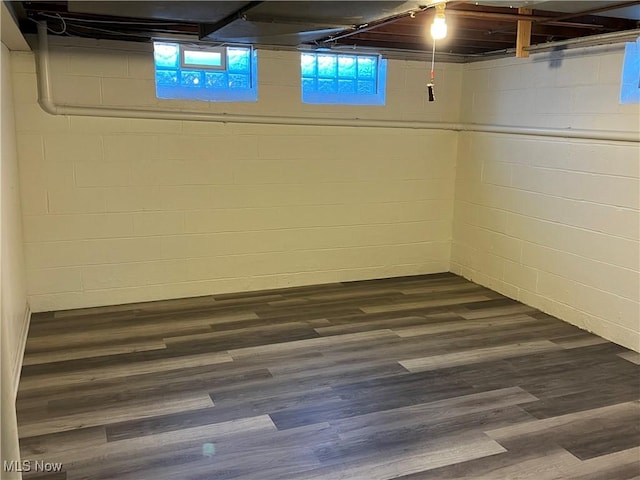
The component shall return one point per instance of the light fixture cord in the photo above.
(433, 60)
(430, 84)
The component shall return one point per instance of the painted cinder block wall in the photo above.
(14, 312)
(13, 295)
(552, 222)
(125, 210)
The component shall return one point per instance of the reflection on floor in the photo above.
(427, 377)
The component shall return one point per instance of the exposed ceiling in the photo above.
(476, 29)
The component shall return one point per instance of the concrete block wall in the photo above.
(124, 210)
(551, 222)
(576, 89)
(14, 313)
(13, 296)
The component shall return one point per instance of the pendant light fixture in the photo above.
(438, 32)
(439, 25)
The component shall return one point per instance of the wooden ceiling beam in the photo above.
(452, 47)
(459, 36)
(444, 44)
(461, 50)
(460, 14)
(508, 19)
(586, 20)
(523, 36)
(463, 38)
(475, 36)
(604, 23)
(470, 28)
(546, 22)
(511, 17)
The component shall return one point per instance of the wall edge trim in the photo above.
(17, 364)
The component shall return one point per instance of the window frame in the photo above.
(342, 98)
(194, 66)
(630, 76)
(185, 92)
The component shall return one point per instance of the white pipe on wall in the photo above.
(48, 104)
(611, 135)
(602, 39)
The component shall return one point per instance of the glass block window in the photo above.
(212, 74)
(347, 79)
(630, 84)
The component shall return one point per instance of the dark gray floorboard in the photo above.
(412, 378)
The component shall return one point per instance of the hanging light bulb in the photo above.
(439, 25)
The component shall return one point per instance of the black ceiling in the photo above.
(476, 28)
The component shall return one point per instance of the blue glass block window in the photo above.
(347, 79)
(204, 58)
(630, 84)
(216, 74)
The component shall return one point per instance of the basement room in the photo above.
(320, 240)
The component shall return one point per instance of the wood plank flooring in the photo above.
(425, 377)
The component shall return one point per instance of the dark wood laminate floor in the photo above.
(427, 377)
